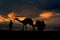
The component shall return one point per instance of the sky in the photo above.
(33, 8)
(10, 5)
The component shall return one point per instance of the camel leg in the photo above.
(33, 27)
(25, 28)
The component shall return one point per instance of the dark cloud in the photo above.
(9, 5)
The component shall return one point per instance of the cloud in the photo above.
(20, 6)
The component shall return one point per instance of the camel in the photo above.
(40, 24)
(26, 21)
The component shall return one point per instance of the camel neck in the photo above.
(19, 21)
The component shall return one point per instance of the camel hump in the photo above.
(28, 21)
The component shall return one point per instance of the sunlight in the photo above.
(21, 18)
(11, 16)
(1, 18)
(46, 14)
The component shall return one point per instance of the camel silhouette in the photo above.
(26, 21)
(40, 24)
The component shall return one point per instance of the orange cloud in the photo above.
(1, 18)
(46, 14)
(11, 16)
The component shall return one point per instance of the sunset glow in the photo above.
(1, 18)
(11, 16)
(29, 15)
(21, 18)
(46, 14)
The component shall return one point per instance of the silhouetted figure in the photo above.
(26, 21)
(10, 25)
(40, 24)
